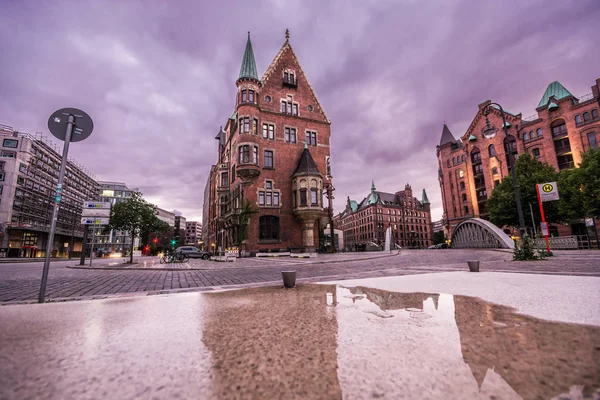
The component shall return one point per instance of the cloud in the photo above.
(159, 80)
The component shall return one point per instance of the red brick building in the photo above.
(366, 222)
(273, 155)
(469, 168)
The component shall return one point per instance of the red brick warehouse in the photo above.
(563, 128)
(273, 156)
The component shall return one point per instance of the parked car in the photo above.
(433, 246)
(441, 246)
(193, 252)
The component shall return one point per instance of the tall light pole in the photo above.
(489, 132)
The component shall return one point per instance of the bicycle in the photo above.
(173, 257)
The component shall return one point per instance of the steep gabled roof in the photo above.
(447, 136)
(248, 69)
(287, 47)
(424, 199)
(554, 89)
(306, 165)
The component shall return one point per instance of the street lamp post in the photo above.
(489, 132)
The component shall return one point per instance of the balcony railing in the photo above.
(586, 97)
(290, 82)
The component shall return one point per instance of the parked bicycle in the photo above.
(170, 257)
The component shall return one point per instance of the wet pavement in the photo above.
(354, 340)
(20, 283)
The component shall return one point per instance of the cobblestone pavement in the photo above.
(21, 283)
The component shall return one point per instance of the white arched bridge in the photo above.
(477, 233)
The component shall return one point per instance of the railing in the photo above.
(530, 118)
(574, 242)
(290, 82)
(586, 97)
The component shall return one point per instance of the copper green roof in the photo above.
(248, 69)
(554, 89)
(552, 106)
(472, 138)
(353, 205)
(447, 136)
(424, 200)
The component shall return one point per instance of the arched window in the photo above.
(594, 114)
(268, 227)
(586, 117)
(559, 128)
(475, 155)
(539, 132)
(464, 157)
(492, 150)
(526, 136)
(578, 119)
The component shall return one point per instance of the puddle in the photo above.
(328, 341)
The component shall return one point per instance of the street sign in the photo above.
(95, 212)
(589, 222)
(82, 125)
(548, 191)
(544, 226)
(96, 204)
(94, 221)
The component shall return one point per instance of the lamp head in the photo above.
(489, 131)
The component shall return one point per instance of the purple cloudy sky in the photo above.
(158, 78)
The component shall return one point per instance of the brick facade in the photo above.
(469, 168)
(259, 149)
(366, 222)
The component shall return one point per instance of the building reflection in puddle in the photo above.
(271, 343)
(326, 341)
(422, 345)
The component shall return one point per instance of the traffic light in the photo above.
(173, 242)
(155, 240)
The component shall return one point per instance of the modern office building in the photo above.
(113, 241)
(166, 216)
(193, 233)
(29, 168)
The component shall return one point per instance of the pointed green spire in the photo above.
(373, 186)
(425, 200)
(248, 69)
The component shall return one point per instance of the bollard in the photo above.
(289, 278)
(473, 265)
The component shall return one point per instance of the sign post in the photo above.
(546, 192)
(62, 123)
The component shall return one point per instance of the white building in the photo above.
(114, 241)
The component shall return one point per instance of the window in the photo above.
(594, 114)
(311, 138)
(288, 77)
(539, 132)
(23, 168)
(275, 198)
(245, 125)
(462, 185)
(283, 106)
(578, 119)
(475, 155)
(310, 108)
(244, 154)
(536, 152)
(559, 128)
(290, 135)
(268, 159)
(313, 197)
(461, 174)
(268, 131)
(448, 163)
(255, 155)
(268, 99)
(224, 178)
(496, 183)
(464, 197)
(1, 188)
(9, 154)
(586, 117)
(268, 228)
(494, 170)
(251, 96)
(269, 185)
(466, 210)
(12, 143)
(302, 197)
(244, 96)
(592, 140)
(255, 126)
(269, 198)
(526, 136)
(261, 198)
(1, 176)
(492, 150)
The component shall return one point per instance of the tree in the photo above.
(243, 218)
(439, 237)
(502, 205)
(579, 188)
(136, 216)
